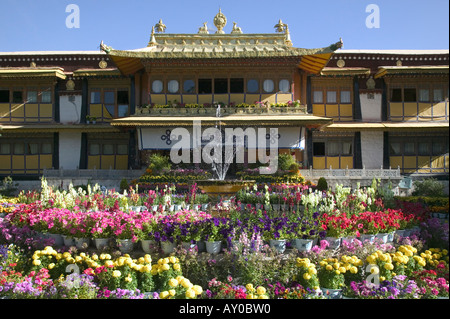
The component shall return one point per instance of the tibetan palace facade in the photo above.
(333, 108)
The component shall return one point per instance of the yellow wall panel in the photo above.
(18, 162)
(5, 162)
(205, 98)
(190, 98)
(237, 98)
(396, 109)
(32, 161)
(446, 161)
(425, 109)
(45, 161)
(332, 110)
(121, 162)
(17, 110)
(268, 98)
(45, 110)
(333, 162)
(440, 109)
(409, 162)
(95, 110)
(31, 110)
(395, 161)
(347, 161)
(410, 109)
(423, 161)
(4, 111)
(284, 97)
(221, 98)
(158, 99)
(107, 162)
(174, 98)
(319, 109)
(252, 98)
(106, 114)
(346, 110)
(94, 162)
(318, 162)
(438, 161)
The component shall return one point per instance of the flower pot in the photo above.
(82, 242)
(201, 246)
(171, 208)
(369, 237)
(205, 207)
(125, 245)
(68, 241)
(400, 233)
(259, 206)
(155, 208)
(383, 237)
(391, 236)
(302, 244)
(267, 207)
(167, 247)
(278, 244)
(213, 247)
(348, 239)
(149, 245)
(177, 208)
(57, 238)
(101, 243)
(334, 242)
(276, 207)
(332, 293)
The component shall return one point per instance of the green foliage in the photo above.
(428, 187)
(287, 162)
(159, 162)
(7, 188)
(123, 184)
(322, 184)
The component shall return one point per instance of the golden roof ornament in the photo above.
(287, 41)
(279, 27)
(220, 21)
(204, 29)
(152, 38)
(160, 26)
(236, 29)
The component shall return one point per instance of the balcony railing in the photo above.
(224, 111)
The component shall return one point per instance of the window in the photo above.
(108, 149)
(157, 86)
(122, 149)
(268, 86)
(46, 148)
(18, 149)
(438, 95)
(94, 149)
(318, 97)
(5, 149)
(204, 86)
(409, 148)
(236, 85)
(346, 97)
(331, 97)
(17, 97)
(424, 95)
(252, 86)
(319, 148)
(32, 97)
(189, 86)
(424, 148)
(284, 86)
(173, 86)
(95, 97)
(396, 95)
(410, 95)
(109, 101)
(122, 103)
(220, 86)
(395, 148)
(437, 148)
(347, 148)
(4, 96)
(32, 148)
(46, 96)
(333, 148)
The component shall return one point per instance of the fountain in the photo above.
(221, 189)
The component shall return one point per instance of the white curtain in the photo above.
(172, 86)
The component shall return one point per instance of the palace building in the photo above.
(332, 108)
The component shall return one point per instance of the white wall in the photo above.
(372, 149)
(69, 150)
(371, 108)
(70, 109)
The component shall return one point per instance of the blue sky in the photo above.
(31, 25)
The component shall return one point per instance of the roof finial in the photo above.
(152, 38)
(279, 27)
(160, 26)
(220, 21)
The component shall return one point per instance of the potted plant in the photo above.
(213, 234)
(331, 277)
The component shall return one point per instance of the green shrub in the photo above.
(430, 187)
(159, 162)
(322, 184)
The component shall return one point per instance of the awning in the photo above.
(401, 70)
(345, 71)
(30, 128)
(8, 73)
(388, 126)
(96, 72)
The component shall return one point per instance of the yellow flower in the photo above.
(260, 290)
(198, 289)
(51, 266)
(36, 262)
(165, 267)
(164, 294)
(176, 267)
(337, 272)
(263, 297)
(116, 273)
(388, 266)
(190, 293)
(306, 276)
(354, 270)
(147, 258)
(329, 267)
(172, 259)
(312, 271)
(186, 283)
(173, 283)
(249, 287)
(342, 270)
(250, 296)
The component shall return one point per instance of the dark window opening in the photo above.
(396, 95)
(410, 95)
(17, 97)
(236, 85)
(4, 96)
(319, 149)
(122, 97)
(204, 86)
(220, 86)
